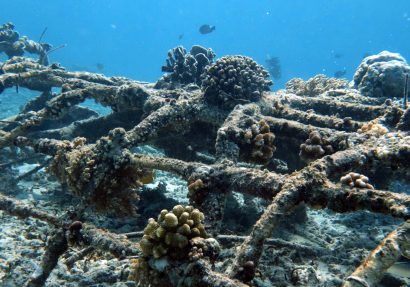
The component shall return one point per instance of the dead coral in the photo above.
(404, 123)
(92, 172)
(300, 186)
(353, 179)
(144, 275)
(316, 146)
(234, 79)
(12, 45)
(314, 86)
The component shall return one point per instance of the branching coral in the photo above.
(171, 234)
(185, 68)
(234, 79)
(316, 146)
(260, 139)
(353, 179)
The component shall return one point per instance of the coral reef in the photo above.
(314, 86)
(185, 68)
(230, 129)
(254, 139)
(260, 139)
(316, 146)
(382, 75)
(234, 79)
(373, 127)
(171, 234)
(353, 179)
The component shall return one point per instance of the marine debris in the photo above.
(231, 140)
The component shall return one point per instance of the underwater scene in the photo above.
(230, 143)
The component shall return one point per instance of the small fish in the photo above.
(99, 66)
(180, 36)
(338, 55)
(206, 29)
(274, 67)
(340, 73)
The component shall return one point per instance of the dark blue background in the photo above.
(131, 37)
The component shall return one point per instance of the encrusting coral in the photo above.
(234, 79)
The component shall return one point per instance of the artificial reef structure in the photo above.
(320, 143)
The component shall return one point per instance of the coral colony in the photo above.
(320, 143)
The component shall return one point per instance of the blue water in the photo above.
(131, 37)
